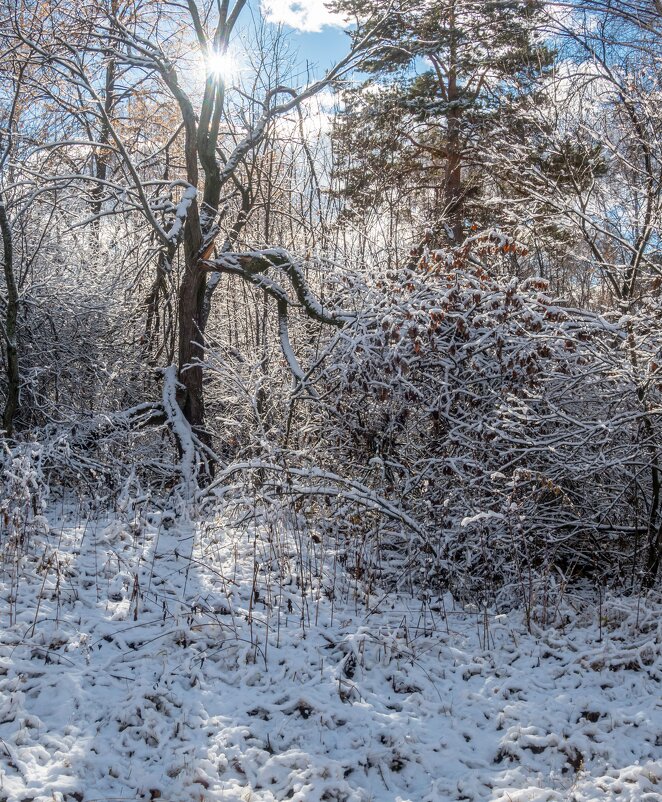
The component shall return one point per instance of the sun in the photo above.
(224, 65)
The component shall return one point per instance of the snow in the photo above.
(286, 347)
(180, 427)
(482, 516)
(181, 212)
(153, 659)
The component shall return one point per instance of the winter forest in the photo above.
(331, 399)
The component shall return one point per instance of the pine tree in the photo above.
(443, 76)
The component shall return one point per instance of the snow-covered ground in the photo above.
(198, 662)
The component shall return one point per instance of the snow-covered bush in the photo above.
(508, 427)
(23, 495)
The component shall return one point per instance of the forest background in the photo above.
(411, 307)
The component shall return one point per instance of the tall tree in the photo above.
(444, 76)
(148, 44)
(12, 97)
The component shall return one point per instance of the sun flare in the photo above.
(222, 65)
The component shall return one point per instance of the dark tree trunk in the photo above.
(453, 172)
(453, 180)
(191, 346)
(102, 154)
(13, 372)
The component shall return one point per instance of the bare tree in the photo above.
(13, 80)
(145, 41)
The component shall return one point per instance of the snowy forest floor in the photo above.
(141, 661)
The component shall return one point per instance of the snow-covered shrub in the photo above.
(506, 425)
(464, 431)
(23, 495)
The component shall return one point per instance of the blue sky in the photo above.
(316, 34)
(323, 48)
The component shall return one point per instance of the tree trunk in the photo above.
(191, 346)
(453, 173)
(102, 153)
(13, 372)
(453, 180)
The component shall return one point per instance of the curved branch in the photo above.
(252, 266)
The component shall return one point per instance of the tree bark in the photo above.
(101, 157)
(453, 172)
(191, 346)
(10, 330)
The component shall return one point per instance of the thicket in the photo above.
(448, 383)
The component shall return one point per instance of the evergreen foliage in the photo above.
(444, 78)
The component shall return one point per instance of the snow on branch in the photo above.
(252, 266)
(318, 482)
(190, 194)
(179, 426)
(283, 334)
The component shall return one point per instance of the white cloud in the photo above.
(304, 15)
(317, 114)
